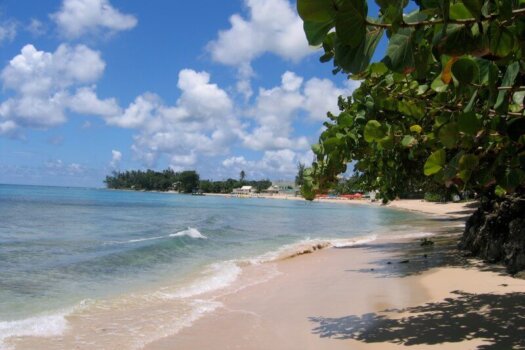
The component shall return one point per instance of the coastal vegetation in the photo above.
(441, 113)
(186, 182)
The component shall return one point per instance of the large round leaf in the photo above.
(465, 70)
(350, 22)
(374, 131)
(449, 134)
(316, 10)
(435, 162)
(469, 123)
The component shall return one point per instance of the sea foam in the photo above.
(217, 276)
(41, 326)
(190, 232)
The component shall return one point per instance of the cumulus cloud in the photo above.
(272, 26)
(79, 17)
(274, 164)
(44, 83)
(116, 157)
(202, 122)
(277, 108)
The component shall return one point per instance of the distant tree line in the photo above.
(185, 182)
(150, 180)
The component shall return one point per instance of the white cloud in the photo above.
(202, 122)
(43, 84)
(36, 27)
(116, 157)
(58, 167)
(85, 101)
(7, 31)
(321, 97)
(276, 110)
(8, 127)
(272, 26)
(79, 17)
(273, 164)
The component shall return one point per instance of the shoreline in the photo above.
(454, 210)
(325, 307)
(438, 299)
(407, 295)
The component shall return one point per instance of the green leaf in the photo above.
(316, 31)
(356, 60)
(378, 68)
(438, 85)
(435, 162)
(465, 70)
(416, 128)
(449, 134)
(500, 191)
(316, 10)
(469, 123)
(350, 21)
(501, 40)
(317, 149)
(468, 162)
(474, 6)
(511, 178)
(374, 131)
(400, 53)
(459, 11)
(408, 141)
(411, 108)
(508, 80)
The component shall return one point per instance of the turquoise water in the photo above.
(60, 246)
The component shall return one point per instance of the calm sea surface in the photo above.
(62, 246)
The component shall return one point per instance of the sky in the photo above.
(95, 86)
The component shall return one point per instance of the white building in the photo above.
(244, 190)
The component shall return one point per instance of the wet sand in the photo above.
(368, 297)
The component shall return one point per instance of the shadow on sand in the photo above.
(497, 319)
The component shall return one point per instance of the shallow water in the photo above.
(73, 256)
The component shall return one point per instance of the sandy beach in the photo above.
(382, 295)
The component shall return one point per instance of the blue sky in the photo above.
(92, 86)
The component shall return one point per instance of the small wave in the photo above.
(308, 246)
(190, 232)
(217, 276)
(41, 326)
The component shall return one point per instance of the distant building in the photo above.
(284, 187)
(244, 190)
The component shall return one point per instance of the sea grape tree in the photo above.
(444, 106)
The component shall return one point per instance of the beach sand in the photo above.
(352, 298)
(381, 295)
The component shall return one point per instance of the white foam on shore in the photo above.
(306, 246)
(40, 326)
(190, 232)
(217, 276)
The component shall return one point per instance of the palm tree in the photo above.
(242, 175)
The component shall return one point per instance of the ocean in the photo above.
(84, 266)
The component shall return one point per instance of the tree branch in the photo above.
(515, 13)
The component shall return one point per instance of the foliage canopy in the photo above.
(445, 106)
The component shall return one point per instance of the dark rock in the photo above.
(496, 232)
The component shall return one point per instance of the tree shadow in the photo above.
(498, 319)
(408, 258)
